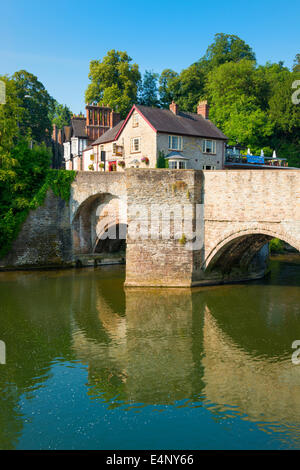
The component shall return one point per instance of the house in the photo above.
(150, 135)
(85, 130)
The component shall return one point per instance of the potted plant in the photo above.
(145, 160)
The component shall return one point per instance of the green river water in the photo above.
(91, 365)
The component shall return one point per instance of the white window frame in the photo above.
(132, 145)
(171, 142)
(176, 164)
(213, 146)
(135, 120)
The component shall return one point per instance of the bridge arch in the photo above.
(240, 247)
(97, 219)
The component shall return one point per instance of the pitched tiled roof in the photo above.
(109, 135)
(78, 127)
(183, 123)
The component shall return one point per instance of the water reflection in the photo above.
(226, 348)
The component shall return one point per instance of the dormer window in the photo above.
(135, 120)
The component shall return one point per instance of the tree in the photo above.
(165, 87)
(226, 48)
(11, 115)
(37, 103)
(296, 67)
(60, 115)
(186, 88)
(234, 91)
(148, 91)
(114, 81)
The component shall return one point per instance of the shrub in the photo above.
(276, 246)
(24, 181)
(183, 239)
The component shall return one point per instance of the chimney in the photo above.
(173, 107)
(203, 109)
(59, 137)
(54, 132)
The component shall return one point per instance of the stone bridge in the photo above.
(185, 227)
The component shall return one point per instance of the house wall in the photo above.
(148, 147)
(86, 160)
(192, 148)
(77, 163)
(148, 142)
(151, 144)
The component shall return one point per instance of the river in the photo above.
(91, 365)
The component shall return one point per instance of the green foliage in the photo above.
(161, 161)
(296, 67)
(186, 89)
(60, 115)
(183, 240)
(11, 114)
(114, 81)
(165, 88)
(37, 105)
(148, 91)
(251, 104)
(276, 246)
(227, 48)
(25, 178)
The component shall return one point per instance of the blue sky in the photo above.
(56, 40)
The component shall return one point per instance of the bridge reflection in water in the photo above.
(224, 349)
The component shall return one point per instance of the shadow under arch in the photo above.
(112, 239)
(92, 218)
(239, 249)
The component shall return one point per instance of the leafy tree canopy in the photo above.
(37, 104)
(11, 114)
(60, 115)
(226, 48)
(114, 81)
(296, 67)
(148, 90)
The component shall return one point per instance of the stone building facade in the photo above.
(184, 140)
(84, 130)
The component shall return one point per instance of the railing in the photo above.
(242, 159)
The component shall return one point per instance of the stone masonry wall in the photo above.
(156, 259)
(44, 239)
(239, 202)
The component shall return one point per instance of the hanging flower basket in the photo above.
(121, 163)
(101, 165)
(91, 167)
(145, 160)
